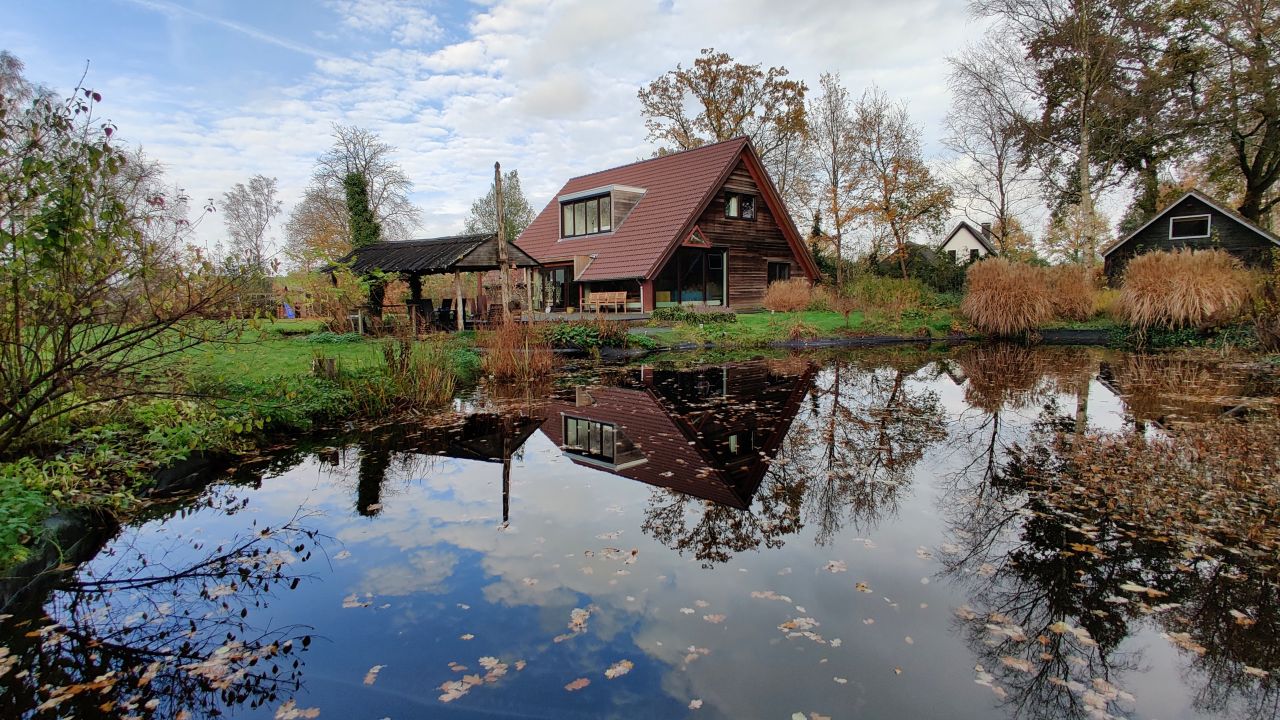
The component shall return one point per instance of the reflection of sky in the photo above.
(436, 564)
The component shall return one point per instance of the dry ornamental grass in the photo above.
(516, 352)
(1004, 298)
(1070, 291)
(1185, 288)
(791, 295)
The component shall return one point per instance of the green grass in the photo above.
(764, 328)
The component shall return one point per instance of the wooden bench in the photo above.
(599, 300)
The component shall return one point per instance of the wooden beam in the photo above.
(457, 299)
(503, 263)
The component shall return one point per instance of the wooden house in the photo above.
(967, 243)
(1199, 222)
(704, 227)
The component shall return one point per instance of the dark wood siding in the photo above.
(752, 244)
(1225, 232)
(622, 203)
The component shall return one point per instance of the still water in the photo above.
(840, 536)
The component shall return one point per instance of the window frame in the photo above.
(730, 196)
(769, 274)
(594, 433)
(974, 254)
(604, 215)
(1208, 226)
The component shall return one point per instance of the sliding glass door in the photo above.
(694, 276)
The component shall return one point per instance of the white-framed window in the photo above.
(739, 206)
(1188, 227)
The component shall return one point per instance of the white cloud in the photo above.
(407, 22)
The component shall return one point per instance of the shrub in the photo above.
(678, 313)
(823, 299)
(516, 352)
(1005, 298)
(326, 337)
(1184, 288)
(1106, 303)
(788, 295)
(1070, 291)
(673, 313)
(891, 295)
(588, 335)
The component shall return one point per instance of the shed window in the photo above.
(739, 206)
(779, 271)
(586, 217)
(1189, 226)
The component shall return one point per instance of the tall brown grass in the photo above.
(791, 295)
(419, 374)
(1004, 298)
(516, 352)
(1185, 288)
(1071, 291)
(890, 295)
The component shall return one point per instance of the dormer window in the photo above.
(1187, 227)
(739, 206)
(588, 216)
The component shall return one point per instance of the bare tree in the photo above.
(992, 177)
(894, 188)
(320, 223)
(830, 118)
(247, 211)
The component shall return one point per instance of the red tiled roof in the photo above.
(676, 187)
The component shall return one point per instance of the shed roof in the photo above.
(677, 189)
(466, 253)
(1207, 200)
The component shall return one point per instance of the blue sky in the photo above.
(219, 90)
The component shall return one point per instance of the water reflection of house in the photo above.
(709, 432)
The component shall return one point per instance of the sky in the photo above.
(221, 90)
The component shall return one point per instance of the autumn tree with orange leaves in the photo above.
(893, 187)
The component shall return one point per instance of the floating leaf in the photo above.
(372, 675)
(618, 669)
(577, 684)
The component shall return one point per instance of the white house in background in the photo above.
(967, 243)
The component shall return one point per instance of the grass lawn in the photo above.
(763, 328)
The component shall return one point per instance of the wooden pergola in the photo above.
(412, 259)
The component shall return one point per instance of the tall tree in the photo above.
(247, 211)
(365, 229)
(483, 217)
(894, 189)
(323, 215)
(731, 99)
(1073, 49)
(1074, 233)
(830, 118)
(1240, 106)
(992, 176)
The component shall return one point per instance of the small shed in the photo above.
(1199, 222)
(412, 259)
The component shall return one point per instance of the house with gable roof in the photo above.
(1199, 222)
(704, 227)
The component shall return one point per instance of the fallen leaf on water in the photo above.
(702, 603)
(372, 675)
(1242, 619)
(577, 684)
(695, 704)
(909, 641)
(351, 601)
(687, 610)
(869, 621)
(342, 555)
(897, 671)
(862, 587)
(714, 619)
(842, 681)
(1256, 672)
(835, 566)
(618, 669)
(1017, 663)
(468, 636)
(290, 711)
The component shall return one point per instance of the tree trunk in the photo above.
(503, 262)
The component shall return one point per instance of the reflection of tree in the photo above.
(873, 427)
(146, 638)
(714, 533)
(1052, 585)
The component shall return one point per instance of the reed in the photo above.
(1071, 291)
(516, 352)
(1185, 288)
(1005, 299)
(791, 295)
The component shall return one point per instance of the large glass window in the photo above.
(586, 217)
(693, 277)
(590, 438)
(1189, 226)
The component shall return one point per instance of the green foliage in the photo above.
(365, 230)
(679, 314)
(590, 335)
(332, 338)
(923, 264)
(22, 508)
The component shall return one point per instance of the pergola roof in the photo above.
(463, 253)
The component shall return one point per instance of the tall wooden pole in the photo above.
(503, 262)
(457, 299)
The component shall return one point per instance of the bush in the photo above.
(1070, 291)
(679, 314)
(1265, 315)
(1185, 288)
(1005, 298)
(516, 352)
(1106, 303)
(824, 299)
(788, 295)
(326, 337)
(588, 334)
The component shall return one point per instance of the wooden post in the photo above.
(503, 264)
(528, 292)
(457, 299)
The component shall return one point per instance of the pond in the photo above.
(857, 534)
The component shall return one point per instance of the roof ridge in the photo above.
(740, 139)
